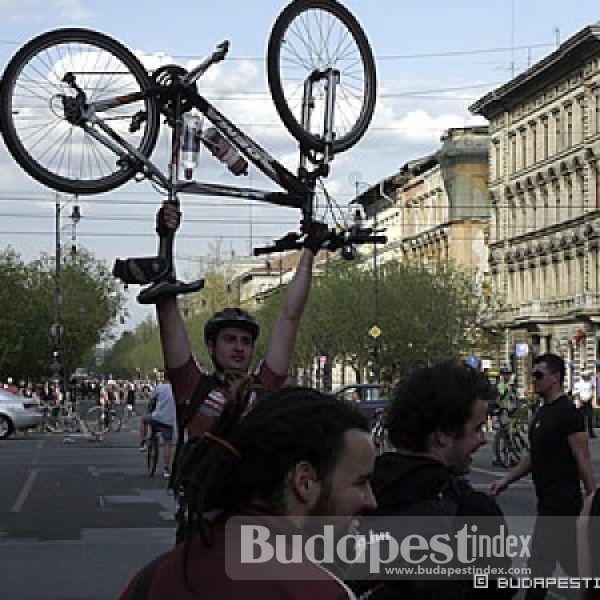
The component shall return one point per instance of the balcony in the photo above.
(587, 305)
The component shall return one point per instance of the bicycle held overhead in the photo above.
(82, 115)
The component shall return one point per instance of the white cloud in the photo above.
(21, 10)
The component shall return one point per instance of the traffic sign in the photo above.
(521, 349)
(374, 332)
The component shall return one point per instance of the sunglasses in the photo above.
(538, 374)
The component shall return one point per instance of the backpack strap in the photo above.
(185, 413)
(142, 586)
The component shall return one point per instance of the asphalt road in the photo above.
(79, 518)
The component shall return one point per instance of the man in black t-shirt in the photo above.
(558, 461)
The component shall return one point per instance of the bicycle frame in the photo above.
(300, 189)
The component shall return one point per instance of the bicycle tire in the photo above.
(37, 133)
(504, 451)
(152, 454)
(356, 92)
(95, 420)
(114, 421)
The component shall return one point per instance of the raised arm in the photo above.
(173, 335)
(280, 348)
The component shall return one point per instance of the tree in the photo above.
(19, 322)
(425, 314)
(89, 307)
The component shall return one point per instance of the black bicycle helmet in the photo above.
(230, 317)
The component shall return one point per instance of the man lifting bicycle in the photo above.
(230, 335)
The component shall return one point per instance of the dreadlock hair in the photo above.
(289, 426)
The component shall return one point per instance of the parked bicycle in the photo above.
(510, 437)
(60, 418)
(100, 419)
(379, 432)
(82, 115)
(126, 413)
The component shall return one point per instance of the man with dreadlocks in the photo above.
(297, 455)
(230, 335)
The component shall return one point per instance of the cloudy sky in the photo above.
(433, 61)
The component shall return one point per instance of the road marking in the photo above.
(25, 491)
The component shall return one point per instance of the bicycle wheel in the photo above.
(43, 115)
(504, 451)
(115, 422)
(152, 454)
(521, 441)
(95, 420)
(315, 35)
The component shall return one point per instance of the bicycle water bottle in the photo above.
(225, 151)
(190, 144)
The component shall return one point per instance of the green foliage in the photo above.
(425, 315)
(89, 307)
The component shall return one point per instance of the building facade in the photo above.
(545, 201)
(436, 208)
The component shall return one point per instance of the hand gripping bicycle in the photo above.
(81, 114)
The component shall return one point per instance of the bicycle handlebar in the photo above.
(334, 241)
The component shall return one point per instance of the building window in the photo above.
(534, 213)
(569, 277)
(523, 149)
(545, 137)
(581, 105)
(557, 133)
(497, 172)
(513, 153)
(534, 142)
(513, 220)
(569, 125)
(496, 230)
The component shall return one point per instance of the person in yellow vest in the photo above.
(506, 402)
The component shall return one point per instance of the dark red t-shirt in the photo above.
(186, 378)
(208, 575)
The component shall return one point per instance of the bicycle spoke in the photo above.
(45, 133)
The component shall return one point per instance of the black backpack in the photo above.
(441, 509)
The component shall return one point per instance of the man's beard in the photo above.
(325, 512)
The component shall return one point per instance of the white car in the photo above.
(16, 413)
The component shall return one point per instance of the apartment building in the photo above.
(436, 208)
(545, 197)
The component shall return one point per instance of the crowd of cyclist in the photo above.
(52, 397)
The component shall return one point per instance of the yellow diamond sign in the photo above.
(374, 332)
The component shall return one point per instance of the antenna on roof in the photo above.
(512, 39)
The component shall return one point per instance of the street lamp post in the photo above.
(57, 325)
(58, 364)
(375, 330)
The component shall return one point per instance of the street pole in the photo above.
(376, 365)
(57, 363)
